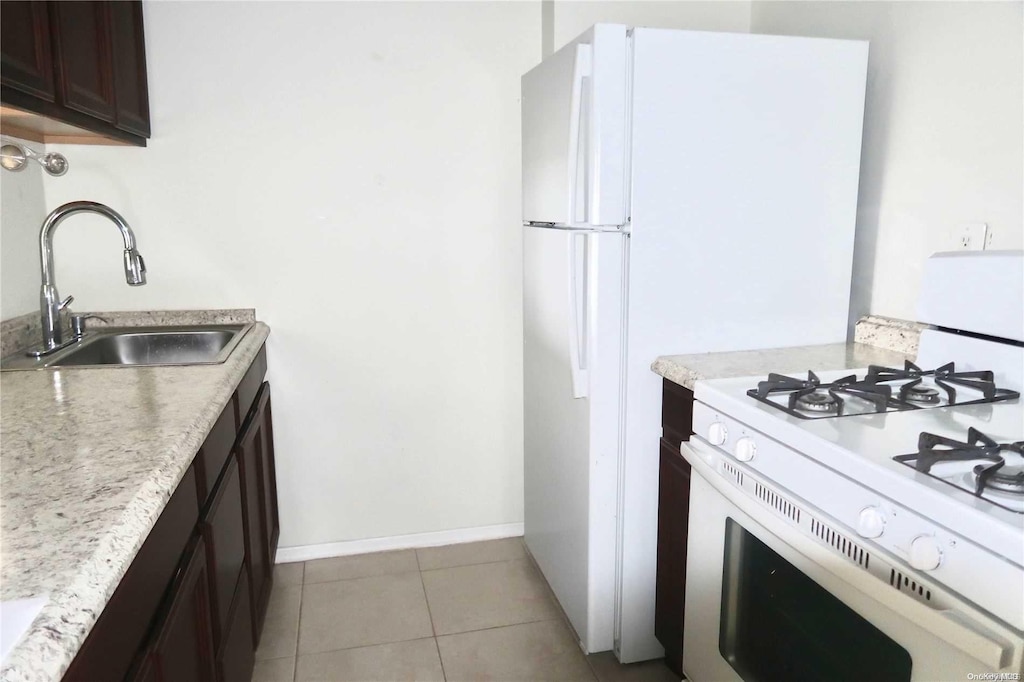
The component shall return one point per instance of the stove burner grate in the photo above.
(810, 399)
(991, 474)
(824, 400)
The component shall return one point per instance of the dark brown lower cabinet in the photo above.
(673, 520)
(259, 498)
(236, 657)
(223, 529)
(192, 604)
(182, 646)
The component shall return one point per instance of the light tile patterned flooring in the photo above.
(477, 611)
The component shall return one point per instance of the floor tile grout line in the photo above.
(440, 660)
(367, 646)
(498, 627)
(420, 570)
(298, 625)
(430, 615)
(416, 639)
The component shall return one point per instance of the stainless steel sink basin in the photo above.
(209, 344)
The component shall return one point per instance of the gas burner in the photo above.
(1006, 479)
(818, 402)
(798, 397)
(992, 475)
(914, 393)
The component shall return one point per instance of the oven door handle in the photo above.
(964, 628)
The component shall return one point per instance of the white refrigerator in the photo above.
(683, 192)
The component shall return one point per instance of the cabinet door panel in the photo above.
(81, 32)
(223, 531)
(673, 519)
(129, 59)
(270, 477)
(236, 658)
(183, 648)
(26, 61)
(257, 550)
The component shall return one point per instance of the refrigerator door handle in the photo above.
(579, 173)
(578, 307)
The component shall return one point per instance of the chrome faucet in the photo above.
(50, 304)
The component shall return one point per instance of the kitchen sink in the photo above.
(153, 346)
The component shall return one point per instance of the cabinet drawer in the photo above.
(225, 539)
(215, 451)
(250, 386)
(676, 412)
(112, 645)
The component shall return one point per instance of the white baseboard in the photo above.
(287, 555)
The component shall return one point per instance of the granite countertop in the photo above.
(877, 341)
(685, 370)
(90, 458)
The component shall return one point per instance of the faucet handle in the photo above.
(65, 303)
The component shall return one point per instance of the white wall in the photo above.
(573, 18)
(22, 210)
(352, 170)
(943, 128)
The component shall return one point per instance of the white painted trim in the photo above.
(287, 555)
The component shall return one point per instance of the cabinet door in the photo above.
(270, 475)
(121, 629)
(26, 61)
(81, 31)
(183, 646)
(129, 58)
(222, 528)
(237, 654)
(673, 517)
(255, 456)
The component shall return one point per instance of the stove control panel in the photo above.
(871, 522)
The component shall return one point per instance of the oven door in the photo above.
(764, 603)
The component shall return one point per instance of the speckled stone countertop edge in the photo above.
(24, 331)
(45, 651)
(890, 333)
(877, 340)
(687, 370)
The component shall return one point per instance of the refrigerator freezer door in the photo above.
(571, 457)
(574, 132)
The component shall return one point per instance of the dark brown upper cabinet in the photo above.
(74, 71)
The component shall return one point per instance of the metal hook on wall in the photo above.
(14, 156)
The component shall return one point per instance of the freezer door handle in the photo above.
(579, 133)
(579, 305)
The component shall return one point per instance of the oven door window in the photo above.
(779, 625)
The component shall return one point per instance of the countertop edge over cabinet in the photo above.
(81, 63)
(673, 518)
(189, 606)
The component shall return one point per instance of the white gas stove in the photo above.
(904, 485)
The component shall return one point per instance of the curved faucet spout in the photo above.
(49, 299)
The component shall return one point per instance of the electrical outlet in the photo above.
(973, 237)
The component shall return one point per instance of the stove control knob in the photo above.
(871, 522)
(746, 448)
(717, 433)
(925, 554)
